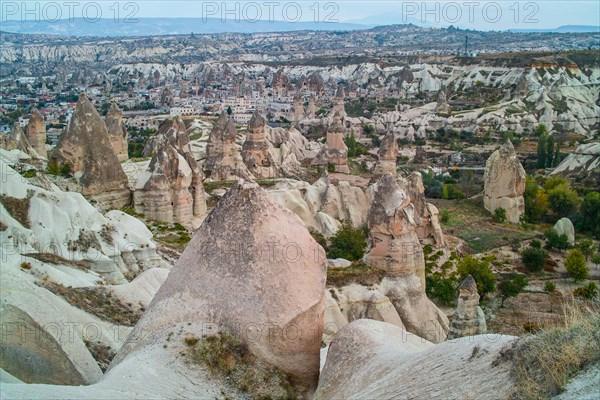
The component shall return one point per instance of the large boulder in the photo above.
(252, 270)
(504, 183)
(394, 247)
(374, 360)
(87, 149)
(564, 226)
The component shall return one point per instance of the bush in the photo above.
(480, 271)
(556, 241)
(441, 288)
(499, 215)
(444, 216)
(533, 258)
(590, 214)
(319, 238)
(355, 149)
(549, 287)
(349, 243)
(563, 200)
(330, 167)
(536, 201)
(586, 246)
(589, 291)
(575, 265)
(511, 287)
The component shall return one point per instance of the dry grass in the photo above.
(50, 258)
(358, 272)
(102, 354)
(544, 363)
(229, 359)
(17, 208)
(97, 301)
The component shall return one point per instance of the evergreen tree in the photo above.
(557, 154)
(549, 151)
(541, 151)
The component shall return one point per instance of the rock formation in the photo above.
(504, 183)
(36, 132)
(86, 148)
(374, 360)
(468, 319)
(335, 151)
(255, 150)
(564, 226)
(388, 153)
(582, 164)
(394, 247)
(223, 159)
(117, 131)
(17, 140)
(442, 106)
(311, 109)
(338, 103)
(252, 270)
(428, 225)
(173, 191)
(420, 156)
(297, 113)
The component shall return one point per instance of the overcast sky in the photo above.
(482, 15)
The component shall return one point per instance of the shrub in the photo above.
(318, 236)
(536, 244)
(441, 288)
(511, 287)
(563, 200)
(590, 214)
(586, 246)
(556, 241)
(589, 291)
(499, 215)
(533, 258)
(575, 265)
(549, 287)
(444, 216)
(480, 271)
(330, 167)
(349, 243)
(536, 201)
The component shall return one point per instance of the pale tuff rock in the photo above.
(36, 132)
(117, 131)
(388, 153)
(420, 156)
(239, 275)
(564, 226)
(504, 183)
(255, 151)
(173, 191)
(17, 140)
(223, 159)
(311, 109)
(428, 225)
(374, 360)
(353, 302)
(86, 148)
(290, 148)
(468, 319)
(338, 103)
(442, 106)
(335, 151)
(281, 83)
(297, 112)
(583, 163)
(394, 247)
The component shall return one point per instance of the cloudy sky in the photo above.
(470, 14)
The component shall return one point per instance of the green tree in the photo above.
(511, 287)
(575, 265)
(536, 201)
(441, 288)
(556, 241)
(590, 214)
(349, 243)
(481, 272)
(229, 110)
(355, 149)
(500, 215)
(563, 200)
(533, 258)
(586, 246)
(550, 151)
(557, 158)
(541, 151)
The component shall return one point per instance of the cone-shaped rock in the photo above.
(338, 103)
(388, 153)
(469, 318)
(254, 271)
(36, 132)
(16, 139)
(255, 151)
(504, 183)
(223, 159)
(86, 148)
(395, 248)
(174, 191)
(117, 131)
(335, 151)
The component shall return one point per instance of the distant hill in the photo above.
(562, 29)
(167, 26)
